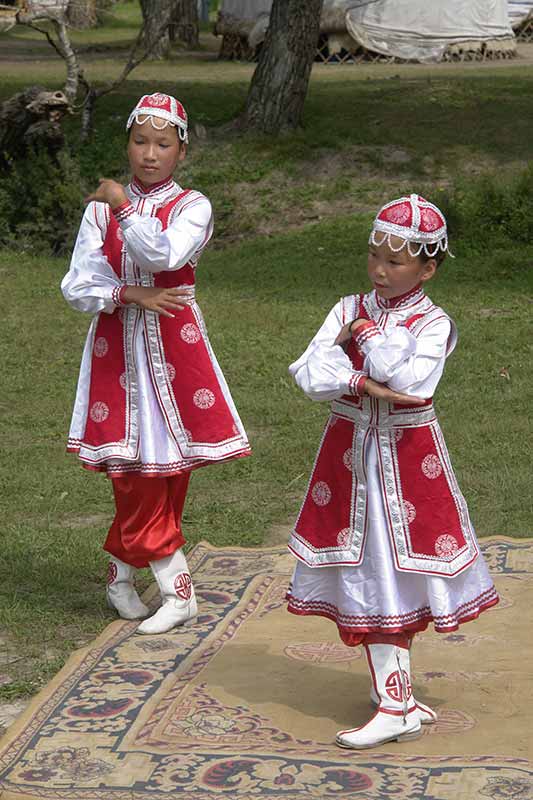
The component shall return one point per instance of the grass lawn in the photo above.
(292, 223)
(263, 300)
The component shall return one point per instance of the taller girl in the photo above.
(152, 403)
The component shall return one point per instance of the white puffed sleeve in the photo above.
(324, 371)
(158, 250)
(91, 284)
(408, 363)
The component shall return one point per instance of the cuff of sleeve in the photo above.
(125, 215)
(367, 336)
(356, 384)
(117, 295)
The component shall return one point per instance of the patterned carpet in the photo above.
(245, 702)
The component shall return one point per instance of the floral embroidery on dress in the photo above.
(431, 466)
(321, 493)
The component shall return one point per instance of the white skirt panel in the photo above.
(376, 597)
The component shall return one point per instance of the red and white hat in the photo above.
(420, 225)
(162, 107)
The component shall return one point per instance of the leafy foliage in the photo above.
(491, 210)
(41, 203)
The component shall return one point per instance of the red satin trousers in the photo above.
(402, 639)
(147, 523)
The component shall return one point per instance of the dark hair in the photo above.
(439, 256)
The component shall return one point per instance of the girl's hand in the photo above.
(346, 332)
(109, 192)
(382, 392)
(162, 301)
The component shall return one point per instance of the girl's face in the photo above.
(154, 154)
(395, 273)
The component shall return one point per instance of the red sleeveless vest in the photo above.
(187, 381)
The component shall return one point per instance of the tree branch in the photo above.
(44, 33)
(69, 54)
(75, 74)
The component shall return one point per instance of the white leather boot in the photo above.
(396, 718)
(177, 595)
(121, 593)
(427, 715)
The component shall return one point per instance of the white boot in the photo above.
(396, 718)
(121, 593)
(427, 715)
(177, 595)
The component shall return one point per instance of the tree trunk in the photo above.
(153, 12)
(81, 13)
(185, 23)
(279, 85)
(30, 120)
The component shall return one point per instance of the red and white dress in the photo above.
(383, 540)
(151, 397)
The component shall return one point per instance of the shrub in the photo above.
(491, 210)
(41, 203)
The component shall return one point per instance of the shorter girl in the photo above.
(384, 542)
(152, 403)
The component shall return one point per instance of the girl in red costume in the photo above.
(384, 542)
(152, 403)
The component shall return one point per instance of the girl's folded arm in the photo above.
(162, 250)
(411, 364)
(91, 285)
(324, 371)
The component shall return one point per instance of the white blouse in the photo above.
(409, 364)
(88, 285)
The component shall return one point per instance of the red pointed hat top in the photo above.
(162, 107)
(417, 222)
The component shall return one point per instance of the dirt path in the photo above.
(29, 48)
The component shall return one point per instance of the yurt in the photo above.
(38, 9)
(415, 30)
(521, 19)
(8, 17)
(390, 30)
(243, 25)
(46, 9)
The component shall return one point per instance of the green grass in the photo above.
(263, 301)
(310, 194)
(362, 140)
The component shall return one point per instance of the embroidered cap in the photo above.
(162, 107)
(418, 223)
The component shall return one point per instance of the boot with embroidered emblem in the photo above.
(121, 593)
(396, 717)
(427, 715)
(177, 595)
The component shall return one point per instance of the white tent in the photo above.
(8, 17)
(420, 30)
(519, 11)
(38, 9)
(423, 31)
(48, 8)
(249, 18)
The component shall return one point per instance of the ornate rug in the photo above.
(245, 701)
